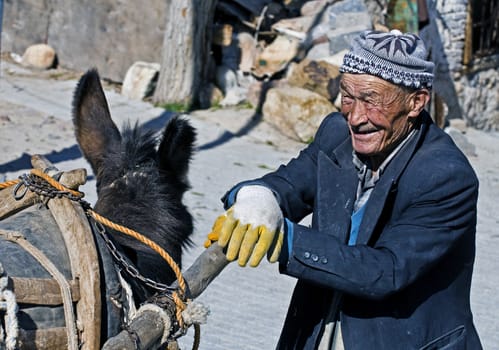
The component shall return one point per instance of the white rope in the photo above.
(195, 313)
(129, 309)
(9, 306)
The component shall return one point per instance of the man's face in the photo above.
(377, 113)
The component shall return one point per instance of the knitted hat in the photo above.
(395, 57)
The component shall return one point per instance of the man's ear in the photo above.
(419, 99)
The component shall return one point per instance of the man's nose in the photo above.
(358, 113)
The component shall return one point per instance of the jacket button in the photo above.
(324, 260)
(315, 258)
(306, 255)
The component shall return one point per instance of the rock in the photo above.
(227, 81)
(311, 8)
(336, 59)
(296, 112)
(140, 80)
(255, 93)
(258, 88)
(347, 19)
(233, 97)
(40, 56)
(276, 56)
(303, 28)
(298, 24)
(317, 76)
(248, 48)
(318, 51)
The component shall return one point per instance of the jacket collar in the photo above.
(341, 158)
(389, 181)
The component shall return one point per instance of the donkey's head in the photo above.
(140, 181)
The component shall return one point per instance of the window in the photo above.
(484, 28)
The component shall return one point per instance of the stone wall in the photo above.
(476, 85)
(450, 18)
(110, 34)
(479, 94)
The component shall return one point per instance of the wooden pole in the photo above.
(148, 327)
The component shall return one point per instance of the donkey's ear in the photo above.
(95, 131)
(177, 147)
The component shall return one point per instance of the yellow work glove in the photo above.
(215, 231)
(251, 228)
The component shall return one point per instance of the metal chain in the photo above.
(43, 188)
(40, 187)
(123, 262)
(163, 297)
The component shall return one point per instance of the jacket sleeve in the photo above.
(434, 217)
(295, 183)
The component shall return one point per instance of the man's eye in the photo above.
(346, 100)
(372, 103)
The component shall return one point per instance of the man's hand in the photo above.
(251, 228)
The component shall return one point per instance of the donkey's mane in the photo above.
(144, 195)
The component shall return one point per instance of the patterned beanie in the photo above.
(395, 57)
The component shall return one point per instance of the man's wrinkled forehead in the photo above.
(365, 85)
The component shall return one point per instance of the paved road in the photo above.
(247, 305)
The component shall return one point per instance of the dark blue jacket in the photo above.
(406, 284)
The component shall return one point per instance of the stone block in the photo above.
(317, 76)
(296, 112)
(311, 8)
(318, 51)
(276, 56)
(346, 20)
(248, 48)
(40, 56)
(140, 80)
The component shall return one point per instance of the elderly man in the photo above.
(388, 259)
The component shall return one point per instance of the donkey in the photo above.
(139, 185)
(141, 180)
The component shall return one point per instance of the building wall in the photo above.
(479, 94)
(476, 84)
(470, 92)
(109, 34)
